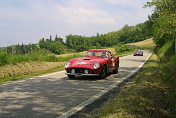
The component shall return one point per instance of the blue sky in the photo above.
(27, 21)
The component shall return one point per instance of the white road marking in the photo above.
(52, 74)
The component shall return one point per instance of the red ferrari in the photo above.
(138, 52)
(96, 62)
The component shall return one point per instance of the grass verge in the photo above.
(148, 96)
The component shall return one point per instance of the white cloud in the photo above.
(126, 3)
(82, 15)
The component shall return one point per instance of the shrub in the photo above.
(125, 48)
(3, 58)
(169, 69)
(62, 59)
(51, 58)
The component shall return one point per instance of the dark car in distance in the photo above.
(138, 53)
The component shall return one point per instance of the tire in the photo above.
(103, 73)
(71, 76)
(116, 69)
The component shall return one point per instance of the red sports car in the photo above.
(138, 52)
(96, 62)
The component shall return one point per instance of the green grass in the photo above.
(67, 58)
(53, 58)
(3, 59)
(14, 59)
(166, 51)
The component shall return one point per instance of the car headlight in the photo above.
(67, 64)
(96, 65)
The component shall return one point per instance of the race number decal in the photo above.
(113, 62)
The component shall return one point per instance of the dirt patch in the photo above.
(112, 50)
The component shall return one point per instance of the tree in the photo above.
(165, 24)
(50, 38)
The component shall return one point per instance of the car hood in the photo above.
(85, 61)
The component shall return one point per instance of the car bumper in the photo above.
(82, 74)
(138, 54)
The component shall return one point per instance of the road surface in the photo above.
(52, 95)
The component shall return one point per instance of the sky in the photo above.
(27, 21)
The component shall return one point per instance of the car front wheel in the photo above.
(116, 69)
(103, 73)
(71, 76)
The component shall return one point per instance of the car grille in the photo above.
(80, 70)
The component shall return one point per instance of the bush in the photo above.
(62, 59)
(169, 69)
(51, 58)
(13, 59)
(125, 48)
(3, 58)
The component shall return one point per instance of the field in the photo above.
(145, 43)
(28, 69)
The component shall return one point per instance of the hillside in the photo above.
(145, 43)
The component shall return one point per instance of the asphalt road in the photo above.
(52, 95)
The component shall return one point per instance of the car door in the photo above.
(110, 61)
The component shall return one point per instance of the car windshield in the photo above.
(96, 53)
(138, 51)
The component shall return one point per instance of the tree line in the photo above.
(20, 49)
(127, 34)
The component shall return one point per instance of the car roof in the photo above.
(98, 50)
(138, 51)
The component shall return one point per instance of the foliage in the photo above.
(67, 58)
(166, 51)
(122, 49)
(54, 58)
(56, 46)
(126, 34)
(3, 58)
(165, 23)
(51, 58)
(21, 49)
